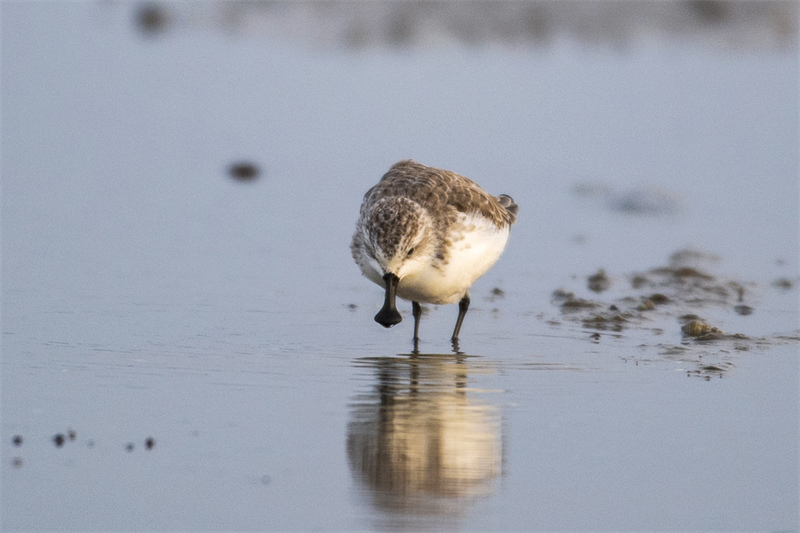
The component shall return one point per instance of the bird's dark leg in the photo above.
(463, 305)
(416, 311)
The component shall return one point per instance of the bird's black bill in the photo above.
(388, 315)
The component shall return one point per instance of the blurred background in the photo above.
(620, 23)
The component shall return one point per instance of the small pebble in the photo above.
(698, 328)
(149, 443)
(58, 440)
(244, 171)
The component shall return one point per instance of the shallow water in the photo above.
(147, 294)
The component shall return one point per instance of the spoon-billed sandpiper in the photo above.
(426, 235)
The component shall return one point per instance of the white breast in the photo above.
(475, 244)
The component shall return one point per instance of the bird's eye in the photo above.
(410, 251)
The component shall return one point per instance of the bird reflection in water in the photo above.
(421, 441)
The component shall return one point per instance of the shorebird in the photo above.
(426, 234)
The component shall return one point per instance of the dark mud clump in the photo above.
(683, 273)
(152, 19)
(717, 370)
(561, 295)
(606, 321)
(649, 303)
(59, 439)
(658, 298)
(669, 300)
(783, 284)
(569, 303)
(244, 171)
(599, 281)
(496, 294)
(16, 440)
(577, 304)
(684, 281)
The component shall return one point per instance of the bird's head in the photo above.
(400, 241)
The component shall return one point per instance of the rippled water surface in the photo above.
(187, 347)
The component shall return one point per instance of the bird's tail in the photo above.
(510, 205)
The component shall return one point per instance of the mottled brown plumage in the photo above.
(443, 191)
(427, 234)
